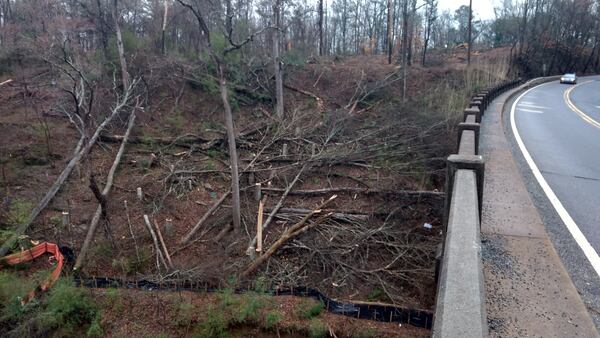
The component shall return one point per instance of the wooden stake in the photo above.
(259, 235)
(257, 191)
(140, 193)
(291, 232)
(65, 219)
(251, 245)
(169, 226)
(284, 150)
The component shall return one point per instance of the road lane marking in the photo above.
(528, 102)
(584, 116)
(597, 107)
(531, 111)
(589, 251)
(531, 106)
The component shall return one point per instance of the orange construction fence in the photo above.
(32, 254)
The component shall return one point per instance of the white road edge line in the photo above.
(589, 252)
(531, 111)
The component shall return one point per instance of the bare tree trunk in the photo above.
(109, 181)
(390, 42)
(124, 73)
(469, 32)
(164, 27)
(277, 61)
(404, 32)
(233, 158)
(320, 27)
(411, 31)
(78, 154)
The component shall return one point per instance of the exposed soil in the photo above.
(358, 134)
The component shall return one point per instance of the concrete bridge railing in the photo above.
(460, 309)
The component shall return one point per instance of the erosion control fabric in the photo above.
(377, 312)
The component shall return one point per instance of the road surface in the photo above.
(556, 130)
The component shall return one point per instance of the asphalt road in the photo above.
(556, 132)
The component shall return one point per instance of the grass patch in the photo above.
(272, 319)
(317, 329)
(64, 311)
(365, 333)
(214, 326)
(309, 309)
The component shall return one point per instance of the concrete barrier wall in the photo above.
(460, 305)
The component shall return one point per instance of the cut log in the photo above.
(342, 215)
(320, 105)
(183, 141)
(250, 250)
(324, 191)
(100, 209)
(159, 253)
(291, 232)
(209, 212)
(164, 246)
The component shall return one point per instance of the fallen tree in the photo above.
(80, 151)
(99, 210)
(291, 232)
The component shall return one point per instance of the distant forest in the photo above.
(546, 36)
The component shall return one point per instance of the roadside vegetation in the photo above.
(242, 144)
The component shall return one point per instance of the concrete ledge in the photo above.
(466, 142)
(474, 127)
(469, 162)
(460, 304)
(460, 310)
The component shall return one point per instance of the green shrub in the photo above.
(310, 309)
(317, 329)
(64, 311)
(69, 305)
(249, 309)
(272, 319)
(210, 165)
(95, 329)
(214, 326)
(12, 287)
(18, 212)
(177, 121)
(227, 297)
(365, 333)
(185, 314)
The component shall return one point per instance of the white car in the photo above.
(570, 78)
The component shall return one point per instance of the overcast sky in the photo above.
(482, 9)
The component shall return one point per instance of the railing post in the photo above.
(476, 103)
(472, 111)
(469, 162)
